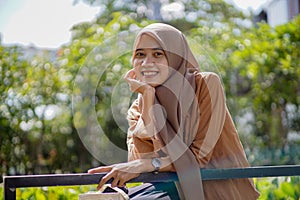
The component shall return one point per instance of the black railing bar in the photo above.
(207, 174)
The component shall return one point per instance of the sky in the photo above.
(43, 23)
(47, 23)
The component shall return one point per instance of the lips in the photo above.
(149, 73)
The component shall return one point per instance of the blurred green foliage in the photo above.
(259, 67)
(278, 188)
(51, 193)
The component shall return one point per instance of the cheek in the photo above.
(135, 64)
(136, 70)
(165, 73)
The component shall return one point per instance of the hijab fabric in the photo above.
(176, 112)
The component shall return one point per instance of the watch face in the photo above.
(156, 163)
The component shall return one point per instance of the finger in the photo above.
(100, 169)
(121, 183)
(115, 182)
(127, 75)
(104, 179)
(130, 74)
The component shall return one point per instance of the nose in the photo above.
(148, 61)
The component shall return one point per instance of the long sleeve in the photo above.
(138, 144)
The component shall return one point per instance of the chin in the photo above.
(154, 84)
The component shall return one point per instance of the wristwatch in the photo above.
(156, 164)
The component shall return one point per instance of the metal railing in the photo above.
(11, 183)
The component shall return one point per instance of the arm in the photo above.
(145, 102)
(140, 134)
(141, 129)
(139, 159)
(123, 172)
(142, 147)
(141, 139)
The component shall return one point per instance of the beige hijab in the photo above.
(176, 112)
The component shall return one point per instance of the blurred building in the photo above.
(276, 12)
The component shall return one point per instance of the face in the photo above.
(150, 62)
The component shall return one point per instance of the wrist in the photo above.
(165, 164)
(156, 163)
(148, 89)
(147, 165)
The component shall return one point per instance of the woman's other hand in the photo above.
(122, 172)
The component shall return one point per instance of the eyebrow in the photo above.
(157, 48)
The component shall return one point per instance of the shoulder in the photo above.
(207, 78)
(209, 88)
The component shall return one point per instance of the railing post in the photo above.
(9, 193)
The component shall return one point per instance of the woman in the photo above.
(179, 122)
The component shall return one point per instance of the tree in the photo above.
(268, 64)
(181, 13)
(12, 72)
(36, 131)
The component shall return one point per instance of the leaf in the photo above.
(39, 194)
(288, 189)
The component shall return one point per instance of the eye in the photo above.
(139, 54)
(159, 53)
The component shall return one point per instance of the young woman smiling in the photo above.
(179, 122)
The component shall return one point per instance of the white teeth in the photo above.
(149, 73)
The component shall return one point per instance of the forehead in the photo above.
(146, 41)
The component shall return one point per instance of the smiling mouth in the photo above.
(149, 74)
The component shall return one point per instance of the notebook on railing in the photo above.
(105, 193)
